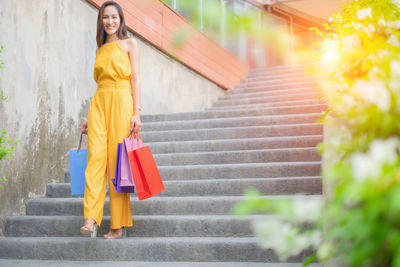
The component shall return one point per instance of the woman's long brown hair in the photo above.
(101, 35)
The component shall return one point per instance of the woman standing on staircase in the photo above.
(114, 110)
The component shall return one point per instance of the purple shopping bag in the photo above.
(126, 173)
(117, 180)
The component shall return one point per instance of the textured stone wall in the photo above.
(49, 52)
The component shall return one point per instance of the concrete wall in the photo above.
(49, 52)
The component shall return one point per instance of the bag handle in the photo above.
(80, 143)
(137, 137)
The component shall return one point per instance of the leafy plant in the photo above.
(7, 145)
(357, 224)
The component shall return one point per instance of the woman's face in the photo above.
(111, 20)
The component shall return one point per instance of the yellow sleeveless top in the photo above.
(112, 64)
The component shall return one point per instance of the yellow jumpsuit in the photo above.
(110, 113)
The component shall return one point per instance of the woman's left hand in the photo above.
(135, 122)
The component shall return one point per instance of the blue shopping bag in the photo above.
(77, 166)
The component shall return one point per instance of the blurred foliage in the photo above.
(357, 223)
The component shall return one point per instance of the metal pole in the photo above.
(201, 26)
(223, 24)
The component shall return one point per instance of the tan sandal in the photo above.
(85, 230)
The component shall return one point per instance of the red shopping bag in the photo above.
(145, 172)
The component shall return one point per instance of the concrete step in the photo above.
(143, 226)
(232, 171)
(302, 102)
(220, 187)
(311, 74)
(229, 144)
(287, 66)
(256, 170)
(282, 75)
(231, 122)
(227, 171)
(243, 88)
(199, 205)
(234, 113)
(65, 263)
(284, 68)
(233, 144)
(233, 132)
(267, 99)
(241, 156)
(139, 249)
(239, 95)
(235, 171)
(270, 81)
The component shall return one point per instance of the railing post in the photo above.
(223, 24)
(201, 11)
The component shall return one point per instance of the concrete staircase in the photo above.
(262, 134)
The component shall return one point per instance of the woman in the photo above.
(114, 110)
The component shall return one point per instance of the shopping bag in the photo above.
(77, 166)
(126, 173)
(117, 180)
(145, 172)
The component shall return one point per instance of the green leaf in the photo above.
(310, 260)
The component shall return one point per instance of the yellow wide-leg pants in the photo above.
(110, 113)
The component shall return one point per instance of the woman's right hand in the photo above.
(84, 127)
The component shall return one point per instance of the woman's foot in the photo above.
(116, 233)
(90, 227)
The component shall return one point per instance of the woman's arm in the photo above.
(135, 82)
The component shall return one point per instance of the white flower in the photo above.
(384, 151)
(395, 67)
(394, 24)
(273, 233)
(307, 210)
(363, 167)
(383, 53)
(393, 40)
(351, 41)
(364, 13)
(325, 251)
(369, 164)
(349, 102)
(369, 29)
(316, 238)
(330, 19)
(394, 83)
(396, 2)
(382, 22)
(374, 92)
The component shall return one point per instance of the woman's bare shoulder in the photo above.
(131, 43)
